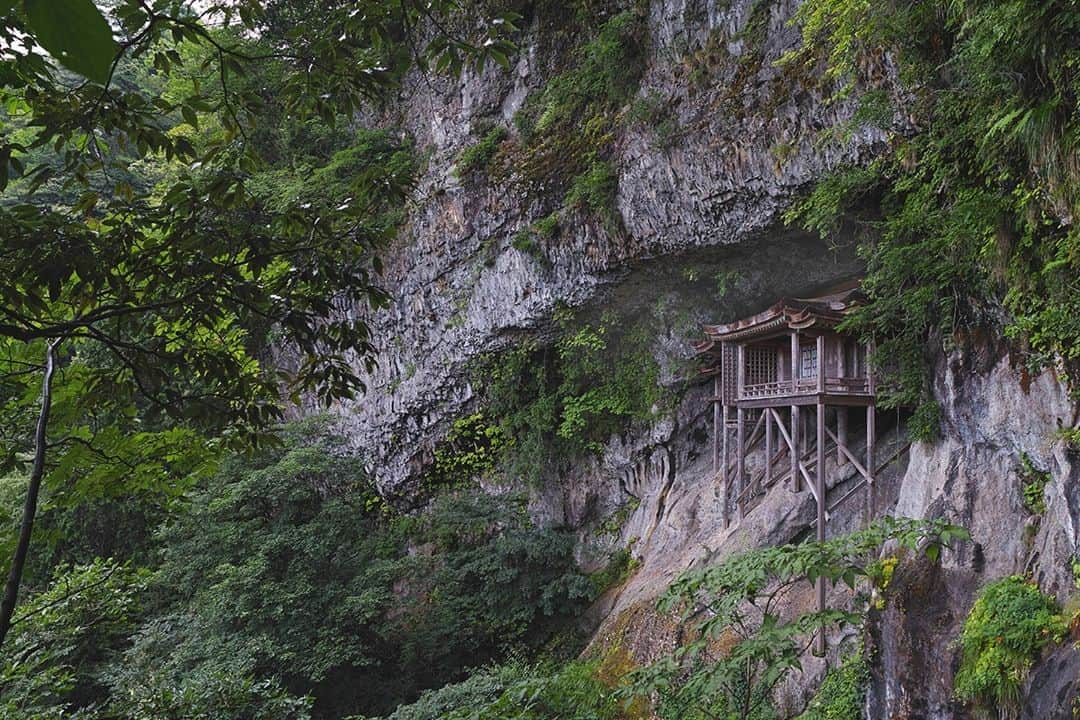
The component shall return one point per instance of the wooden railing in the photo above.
(806, 386)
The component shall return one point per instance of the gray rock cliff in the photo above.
(742, 139)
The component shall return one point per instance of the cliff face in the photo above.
(740, 138)
(706, 198)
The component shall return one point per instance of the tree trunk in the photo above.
(37, 473)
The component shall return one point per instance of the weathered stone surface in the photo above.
(710, 199)
(707, 199)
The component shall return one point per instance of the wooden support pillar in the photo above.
(740, 370)
(717, 428)
(768, 446)
(821, 364)
(871, 432)
(796, 450)
(725, 461)
(819, 641)
(740, 456)
(794, 359)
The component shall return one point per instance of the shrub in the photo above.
(470, 449)
(77, 622)
(567, 398)
(730, 663)
(1035, 482)
(842, 694)
(288, 578)
(595, 189)
(478, 156)
(1008, 627)
(569, 127)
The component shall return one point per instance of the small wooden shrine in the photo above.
(783, 373)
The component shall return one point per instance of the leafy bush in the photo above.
(568, 128)
(595, 189)
(1009, 625)
(1035, 482)
(470, 449)
(61, 633)
(567, 398)
(842, 694)
(478, 156)
(730, 665)
(520, 692)
(480, 689)
(970, 215)
(289, 578)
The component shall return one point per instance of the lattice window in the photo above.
(808, 362)
(760, 365)
(727, 374)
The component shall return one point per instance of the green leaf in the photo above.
(75, 33)
(6, 5)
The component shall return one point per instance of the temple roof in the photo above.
(787, 314)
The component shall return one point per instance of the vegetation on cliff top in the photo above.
(970, 216)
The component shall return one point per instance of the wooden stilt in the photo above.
(717, 429)
(740, 458)
(796, 450)
(725, 462)
(768, 447)
(819, 641)
(871, 433)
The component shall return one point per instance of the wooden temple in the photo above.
(786, 374)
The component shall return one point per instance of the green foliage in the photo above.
(204, 696)
(521, 692)
(470, 449)
(568, 128)
(75, 33)
(477, 157)
(618, 570)
(594, 189)
(1009, 625)
(1071, 437)
(480, 689)
(730, 665)
(573, 692)
(971, 214)
(654, 112)
(842, 695)
(1035, 482)
(288, 578)
(569, 397)
(61, 633)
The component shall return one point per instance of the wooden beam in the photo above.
(740, 455)
(842, 450)
(717, 429)
(871, 434)
(793, 443)
(766, 413)
(794, 356)
(726, 475)
(821, 363)
(820, 639)
(740, 369)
